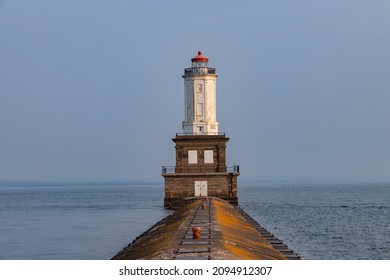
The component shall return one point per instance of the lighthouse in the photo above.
(200, 83)
(200, 168)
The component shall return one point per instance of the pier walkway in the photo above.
(227, 232)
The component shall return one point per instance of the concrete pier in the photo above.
(226, 233)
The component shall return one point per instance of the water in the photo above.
(349, 221)
(75, 222)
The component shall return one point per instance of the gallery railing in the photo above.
(199, 70)
(197, 134)
(198, 169)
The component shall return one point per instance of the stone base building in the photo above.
(200, 170)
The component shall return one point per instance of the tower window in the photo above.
(199, 88)
(192, 157)
(208, 156)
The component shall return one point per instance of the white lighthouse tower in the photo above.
(200, 168)
(200, 83)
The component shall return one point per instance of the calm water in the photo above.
(75, 222)
(94, 222)
(349, 221)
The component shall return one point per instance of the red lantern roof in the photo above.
(200, 57)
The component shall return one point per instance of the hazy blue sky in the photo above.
(93, 89)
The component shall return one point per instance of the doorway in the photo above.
(200, 188)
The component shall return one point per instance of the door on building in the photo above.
(200, 188)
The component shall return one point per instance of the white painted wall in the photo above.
(200, 105)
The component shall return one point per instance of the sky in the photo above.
(92, 90)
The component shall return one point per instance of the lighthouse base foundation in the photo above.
(180, 186)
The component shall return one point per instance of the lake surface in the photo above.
(325, 221)
(335, 221)
(75, 222)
